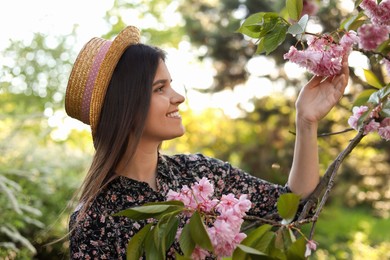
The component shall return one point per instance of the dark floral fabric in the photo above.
(99, 235)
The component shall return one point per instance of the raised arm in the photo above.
(315, 100)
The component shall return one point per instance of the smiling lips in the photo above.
(174, 114)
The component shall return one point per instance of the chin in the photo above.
(178, 134)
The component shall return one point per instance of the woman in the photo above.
(123, 90)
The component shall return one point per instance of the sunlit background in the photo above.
(246, 118)
(22, 19)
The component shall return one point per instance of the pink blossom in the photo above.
(242, 205)
(348, 40)
(226, 215)
(372, 35)
(185, 196)
(310, 8)
(173, 195)
(230, 217)
(224, 230)
(310, 245)
(384, 129)
(387, 65)
(371, 127)
(226, 202)
(203, 189)
(207, 205)
(378, 13)
(322, 57)
(224, 238)
(239, 237)
(357, 113)
(199, 253)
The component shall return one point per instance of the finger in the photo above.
(314, 81)
(337, 79)
(341, 84)
(345, 67)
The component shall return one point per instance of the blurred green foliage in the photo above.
(42, 160)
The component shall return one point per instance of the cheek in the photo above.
(158, 109)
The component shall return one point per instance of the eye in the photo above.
(159, 89)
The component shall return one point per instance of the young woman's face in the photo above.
(163, 121)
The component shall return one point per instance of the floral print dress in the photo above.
(99, 235)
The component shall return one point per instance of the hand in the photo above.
(321, 94)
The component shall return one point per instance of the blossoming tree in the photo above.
(219, 226)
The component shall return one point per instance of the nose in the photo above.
(177, 98)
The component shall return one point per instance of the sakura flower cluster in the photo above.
(374, 33)
(323, 56)
(382, 127)
(223, 217)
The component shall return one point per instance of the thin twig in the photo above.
(329, 178)
(329, 134)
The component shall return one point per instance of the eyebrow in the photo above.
(160, 81)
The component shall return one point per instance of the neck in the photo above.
(141, 167)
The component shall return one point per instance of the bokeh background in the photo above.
(239, 107)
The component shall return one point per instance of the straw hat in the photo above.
(92, 73)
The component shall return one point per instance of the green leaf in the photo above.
(294, 8)
(363, 97)
(256, 234)
(135, 248)
(385, 112)
(297, 249)
(249, 250)
(260, 46)
(259, 239)
(199, 233)
(166, 231)
(274, 38)
(151, 249)
(358, 2)
(270, 22)
(258, 25)
(274, 252)
(170, 203)
(148, 211)
(299, 27)
(186, 242)
(287, 206)
(375, 98)
(246, 27)
(380, 95)
(181, 257)
(284, 238)
(363, 117)
(279, 241)
(353, 22)
(372, 79)
(384, 47)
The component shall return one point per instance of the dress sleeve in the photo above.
(261, 193)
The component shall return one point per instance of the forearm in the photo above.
(304, 175)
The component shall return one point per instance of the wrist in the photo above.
(305, 125)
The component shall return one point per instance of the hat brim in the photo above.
(91, 74)
(127, 37)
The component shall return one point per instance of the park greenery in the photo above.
(43, 161)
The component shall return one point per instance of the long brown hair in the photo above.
(122, 118)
